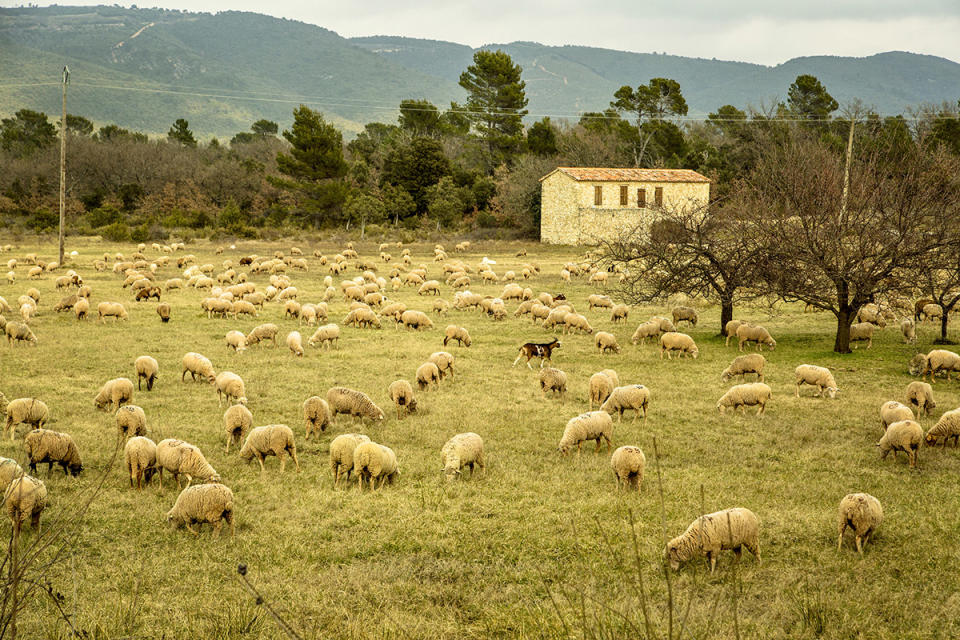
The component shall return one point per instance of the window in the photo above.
(597, 196)
(641, 198)
(658, 196)
(623, 195)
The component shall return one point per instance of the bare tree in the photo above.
(939, 275)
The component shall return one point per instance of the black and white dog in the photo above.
(537, 350)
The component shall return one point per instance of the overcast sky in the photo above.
(762, 31)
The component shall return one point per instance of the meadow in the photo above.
(540, 546)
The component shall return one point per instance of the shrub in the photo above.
(116, 232)
(486, 220)
(102, 216)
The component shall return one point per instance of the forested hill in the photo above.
(143, 68)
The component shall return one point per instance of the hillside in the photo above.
(143, 68)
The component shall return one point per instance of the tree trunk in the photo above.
(726, 314)
(844, 319)
(944, 319)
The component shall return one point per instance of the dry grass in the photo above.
(476, 558)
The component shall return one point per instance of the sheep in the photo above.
(198, 365)
(553, 380)
(236, 341)
(372, 461)
(744, 395)
(111, 310)
(52, 447)
(66, 303)
(619, 313)
(871, 313)
(444, 362)
(140, 456)
(243, 307)
(742, 365)
(28, 411)
(576, 321)
(426, 373)
(863, 514)
(599, 301)
(935, 361)
(909, 330)
(179, 457)
(862, 331)
(593, 425)
(271, 440)
(905, 436)
(634, 396)
(341, 455)
(230, 386)
(601, 385)
(460, 334)
(147, 369)
(754, 333)
(25, 497)
(416, 320)
(237, 421)
(893, 411)
(201, 503)
(295, 343)
(9, 470)
(932, 311)
(131, 421)
(687, 314)
(730, 330)
(81, 308)
(819, 377)
(920, 395)
(353, 403)
(710, 534)
(17, 332)
(673, 341)
(431, 287)
(393, 310)
(463, 449)
(113, 394)
(262, 333)
(628, 464)
(648, 329)
(948, 426)
(326, 335)
(606, 342)
(401, 392)
(163, 310)
(362, 317)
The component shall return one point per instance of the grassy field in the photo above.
(541, 546)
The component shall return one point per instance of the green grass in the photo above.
(429, 559)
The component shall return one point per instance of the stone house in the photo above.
(583, 205)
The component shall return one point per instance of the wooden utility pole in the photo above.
(63, 158)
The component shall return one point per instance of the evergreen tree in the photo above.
(180, 133)
(495, 102)
(808, 99)
(26, 132)
(419, 118)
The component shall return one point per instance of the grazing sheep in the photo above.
(237, 421)
(9, 471)
(710, 534)
(463, 449)
(362, 317)
(634, 396)
(426, 373)
(113, 394)
(416, 320)
(893, 411)
(147, 369)
(905, 436)
(649, 329)
(271, 440)
(576, 322)
(593, 425)
(920, 395)
(341, 455)
(66, 303)
(131, 421)
(401, 392)
(754, 333)
(746, 395)
(862, 331)
(909, 330)
(673, 341)
(619, 313)
(111, 310)
(295, 343)
(372, 461)
(819, 377)
(202, 503)
(17, 332)
(237, 341)
(262, 333)
(179, 457)
(27, 411)
(932, 311)
(81, 308)
(198, 365)
(606, 342)
(52, 447)
(140, 456)
(460, 334)
(553, 380)
(326, 335)
(948, 426)
(599, 302)
(25, 497)
(871, 313)
(354, 403)
(863, 514)
(230, 386)
(628, 464)
(934, 362)
(601, 385)
(163, 310)
(730, 330)
(686, 314)
(742, 365)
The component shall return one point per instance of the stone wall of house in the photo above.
(559, 222)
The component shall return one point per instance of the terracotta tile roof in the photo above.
(599, 174)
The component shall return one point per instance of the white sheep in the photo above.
(111, 310)
(9, 470)
(730, 330)
(553, 380)
(52, 447)
(202, 503)
(737, 528)
(863, 514)
(755, 333)
(893, 411)
(131, 421)
(27, 411)
(746, 395)
(401, 392)
(26, 497)
(140, 456)
(147, 369)
(606, 342)
(197, 365)
(295, 343)
(920, 395)
(463, 449)
(352, 402)
(593, 425)
(633, 396)
(230, 386)
(819, 377)
(673, 341)
(601, 384)
(460, 334)
(687, 314)
(341, 454)
(909, 330)
(316, 414)
(444, 362)
(237, 341)
(628, 464)
(934, 362)
(649, 329)
(326, 335)
(427, 373)
(948, 426)
(114, 393)
(262, 333)
(862, 331)
(742, 365)
(179, 457)
(271, 440)
(905, 436)
(373, 461)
